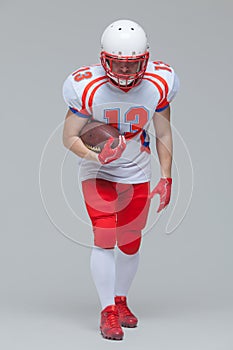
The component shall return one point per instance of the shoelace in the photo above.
(113, 319)
(124, 310)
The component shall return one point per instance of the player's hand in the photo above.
(109, 154)
(163, 188)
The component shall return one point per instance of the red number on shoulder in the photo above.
(82, 73)
(159, 65)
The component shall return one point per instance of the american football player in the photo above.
(129, 92)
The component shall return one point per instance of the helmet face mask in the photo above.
(124, 55)
(125, 72)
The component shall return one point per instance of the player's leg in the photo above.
(132, 216)
(131, 219)
(100, 197)
(126, 268)
(102, 265)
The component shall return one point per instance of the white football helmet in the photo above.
(124, 54)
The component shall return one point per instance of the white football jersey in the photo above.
(89, 94)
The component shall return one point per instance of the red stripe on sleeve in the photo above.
(93, 93)
(163, 81)
(158, 87)
(162, 102)
(87, 88)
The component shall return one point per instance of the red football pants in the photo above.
(118, 212)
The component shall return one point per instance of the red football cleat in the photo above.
(126, 317)
(110, 326)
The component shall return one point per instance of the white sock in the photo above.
(126, 268)
(103, 273)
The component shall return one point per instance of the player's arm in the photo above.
(71, 140)
(72, 127)
(161, 121)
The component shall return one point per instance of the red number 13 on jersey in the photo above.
(136, 117)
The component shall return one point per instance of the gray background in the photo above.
(183, 289)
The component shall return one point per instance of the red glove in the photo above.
(109, 154)
(163, 188)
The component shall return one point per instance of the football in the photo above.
(95, 134)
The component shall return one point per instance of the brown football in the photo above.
(95, 134)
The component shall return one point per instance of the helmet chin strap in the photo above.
(123, 82)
